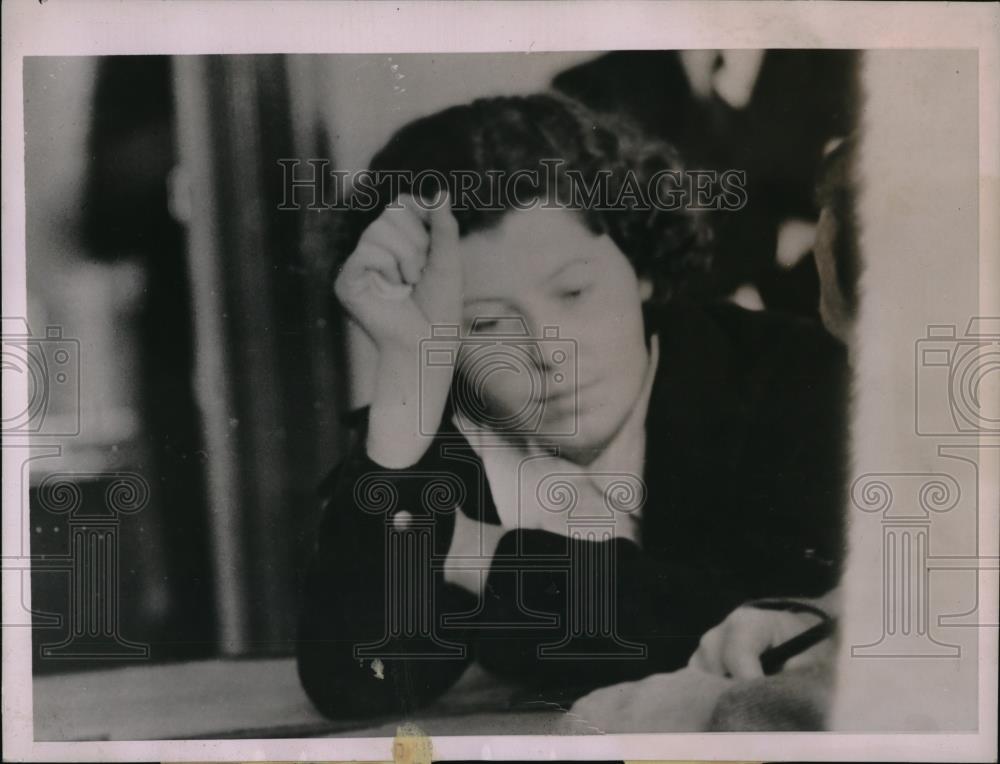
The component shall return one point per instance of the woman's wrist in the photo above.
(406, 409)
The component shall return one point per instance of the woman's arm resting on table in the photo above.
(348, 595)
(659, 606)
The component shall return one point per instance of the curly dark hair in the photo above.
(512, 134)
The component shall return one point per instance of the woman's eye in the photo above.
(482, 325)
(572, 294)
(497, 325)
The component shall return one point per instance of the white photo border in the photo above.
(95, 27)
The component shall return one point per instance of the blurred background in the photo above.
(213, 363)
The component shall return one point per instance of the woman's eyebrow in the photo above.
(545, 280)
(474, 300)
(565, 267)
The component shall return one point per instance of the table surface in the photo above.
(251, 698)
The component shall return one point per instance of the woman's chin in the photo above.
(583, 447)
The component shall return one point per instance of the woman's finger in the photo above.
(741, 654)
(368, 259)
(710, 651)
(751, 631)
(444, 254)
(810, 657)
(405, 217)
(370, 256)
(790, 625)
(389, 237)
(439, 293)
(698, 662)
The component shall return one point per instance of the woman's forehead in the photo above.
(527, 245)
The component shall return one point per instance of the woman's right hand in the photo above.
(404, 276)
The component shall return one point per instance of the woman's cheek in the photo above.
(509, 394)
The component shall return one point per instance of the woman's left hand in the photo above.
(733, 648)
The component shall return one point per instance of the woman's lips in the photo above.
(567, 398)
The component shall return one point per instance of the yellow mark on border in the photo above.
(411, 746)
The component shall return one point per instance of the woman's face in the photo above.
(554, 336)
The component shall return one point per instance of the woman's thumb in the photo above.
(443, 253)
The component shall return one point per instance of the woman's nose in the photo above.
(552, 349)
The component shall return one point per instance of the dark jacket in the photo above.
(744, 474)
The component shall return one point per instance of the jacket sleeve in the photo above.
(371, 638)
(615, 613)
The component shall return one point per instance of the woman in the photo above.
(443, 542)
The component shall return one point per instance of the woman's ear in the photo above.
(645, 288)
